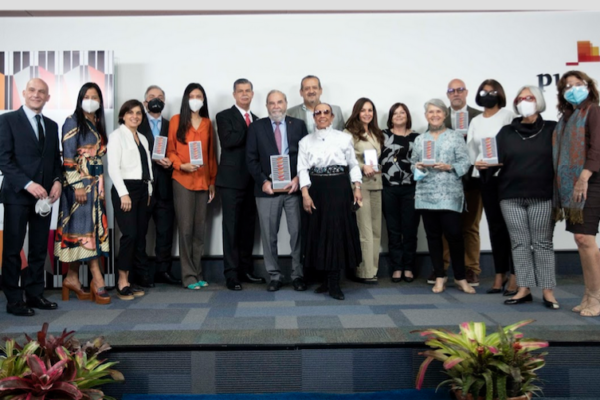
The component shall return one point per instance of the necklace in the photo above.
(532, 136)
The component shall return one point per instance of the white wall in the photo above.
(386, 57)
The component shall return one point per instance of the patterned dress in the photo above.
(82, 231)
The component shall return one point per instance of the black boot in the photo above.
(324, 287)
(334, 286)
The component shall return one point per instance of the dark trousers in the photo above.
(499, 236)
(239, 219)
(133, 226)
(16, 218)
(448, 224)
(402, 221)
(163, 213)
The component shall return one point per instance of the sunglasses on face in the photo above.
(319, 112)
(490, 93)
(457, 90)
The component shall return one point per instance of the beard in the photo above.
(277, 116)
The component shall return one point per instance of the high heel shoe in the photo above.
(588, 311)
(524, 299)
(465, 288)
(99, 295)
(81, 295)
(551, 304)
(583, 304)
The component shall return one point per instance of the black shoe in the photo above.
(550, 304)
(41, 302)
(166, 277)
(145, 282)
(336, 293)
(299, 285)
(274, 285)
(408, 279)
(508, 293)
(525, 299)
(396, 280)
(494, 290)
(323, 288)
(233, 284)
(125, 294)
(251, 278)
(20, 309)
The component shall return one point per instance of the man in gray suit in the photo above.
(459, 121)
(311, 90)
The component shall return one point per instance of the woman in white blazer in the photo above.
(130, 170)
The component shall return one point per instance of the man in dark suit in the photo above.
(32, 168)
(161, 203)
(237, 188)
(457, 94)
(275, 135)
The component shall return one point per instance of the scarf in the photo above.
(568, 156)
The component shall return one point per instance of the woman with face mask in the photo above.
(525, 192)
(491, 97)
(576, 157)
(191, 134)
(82, 229)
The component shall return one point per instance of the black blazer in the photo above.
(233, 132)
(261, 146)
(21, 159)
(162, 187)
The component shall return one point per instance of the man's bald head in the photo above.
(36, 94)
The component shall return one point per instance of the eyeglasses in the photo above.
(457, 90)
(526, 98)
(484, 93)
(577, 84)
(319, 112)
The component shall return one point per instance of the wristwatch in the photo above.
(356, 186)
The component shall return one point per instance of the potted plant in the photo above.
(55, 368)
(499, 366)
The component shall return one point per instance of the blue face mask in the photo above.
(576, 95)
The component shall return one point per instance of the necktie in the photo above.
(278, 136)
(247, 116)
(41, 136)
(155, 130)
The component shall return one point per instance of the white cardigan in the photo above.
(124, 160)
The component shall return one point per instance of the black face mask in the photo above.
(488, 101)
(156, 105)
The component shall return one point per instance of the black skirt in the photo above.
(332, 239)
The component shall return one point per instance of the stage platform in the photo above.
(213, 341)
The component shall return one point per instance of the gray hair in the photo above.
(152, 87)
(539, 99)
(276, 91)
(242, 81)
(436, 103)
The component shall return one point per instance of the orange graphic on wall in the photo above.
(586, 53)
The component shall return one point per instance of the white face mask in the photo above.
(43, 207)
(195, 104)
(527, 108)
(90, 106)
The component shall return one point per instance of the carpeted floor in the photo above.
(371, 314)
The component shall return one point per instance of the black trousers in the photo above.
(162, 211)
(402, 221)
(499, 236)
(133, 226)
(16, 218)
(239, 219)
(448, 224)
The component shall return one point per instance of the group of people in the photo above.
(345, 174)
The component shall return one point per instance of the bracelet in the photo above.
(356, 187)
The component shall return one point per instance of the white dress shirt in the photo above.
(124, 161)
(244, 112)
(327, 147)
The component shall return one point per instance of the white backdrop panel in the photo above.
(386, 57)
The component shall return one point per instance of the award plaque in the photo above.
(489, 150)
(160, 148)
(461, 119)
(370, 157)
(428, 152)
(281, 173)
(196, 153)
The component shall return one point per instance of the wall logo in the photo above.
(586, 53)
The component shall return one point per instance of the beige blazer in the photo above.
(376, 182)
